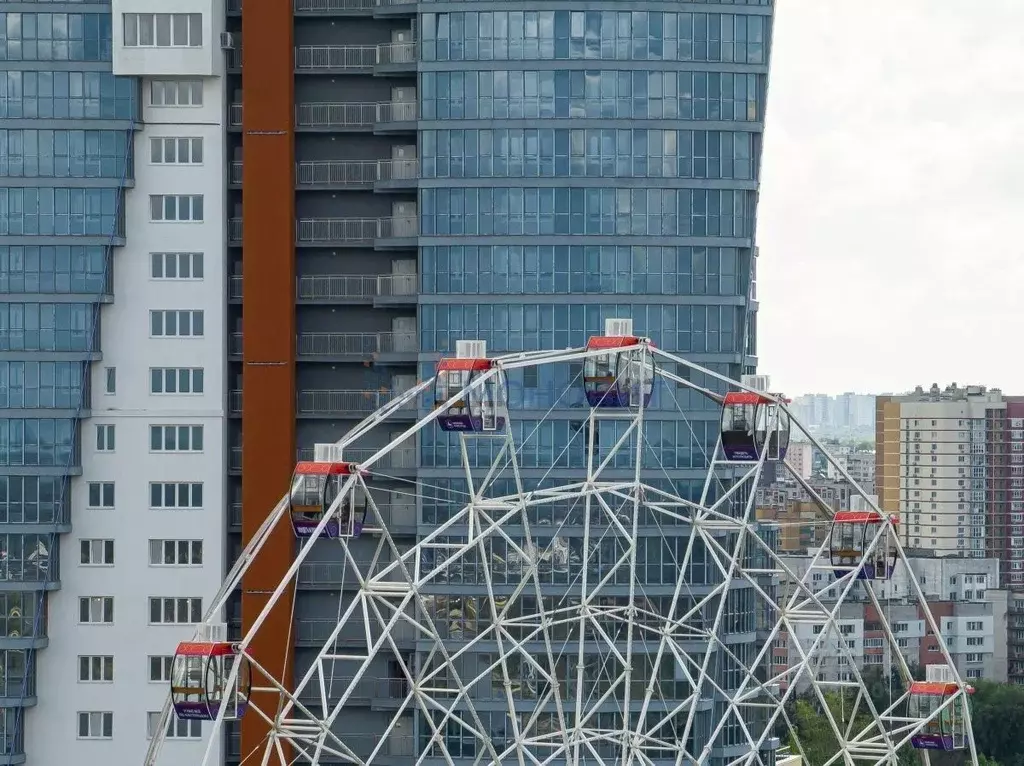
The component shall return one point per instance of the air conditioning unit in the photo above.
(227, 41)
(618, 328)
(471, 349)
(326, 453)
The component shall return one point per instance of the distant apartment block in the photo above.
(950, 462)
(800, 457)
(970, 613)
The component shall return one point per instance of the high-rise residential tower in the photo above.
(408, 174)
(112, 363)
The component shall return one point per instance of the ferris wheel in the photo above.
(575, 602)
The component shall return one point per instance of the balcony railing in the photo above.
(336, 115)
(234, 230)
(355, 229)
(329, 6)
(356, 343)
(342, 115)
(396, 53)
(341, 402)
(341, 286)
(397, 111)
(312, 57)
(400, 457)
(337, 172)
(344, 172)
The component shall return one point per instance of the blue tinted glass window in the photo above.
(46, 326)
(66, 95)
(53, 269)
(47, 211)
(608, 94)
(701, 329)
(63, 153)
(27, 558)
(734, 38)
(590, 153)
(30, 499)
(40, 385)
(36, 441)
(578, 269)
(55, 37)
(518, 211)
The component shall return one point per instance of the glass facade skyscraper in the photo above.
(65, 160)
(579, 165)
(511, 172)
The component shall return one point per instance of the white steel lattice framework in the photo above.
(566, 630)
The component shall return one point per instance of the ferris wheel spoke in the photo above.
(597, 609)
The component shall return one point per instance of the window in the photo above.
(110, 380)
(175, 611)
(176, 380)
(96, 669)
(176, 207)
(176, 93)
(175, 729)
(95, 725)
(176, 438)
(175, 323)
(169, 150)
(186, 553)
(176, 265)
(101, 494)
(105, 437)
(160, 668)
(176, 494)
(96, 610)
(163, 30)
(97, 552)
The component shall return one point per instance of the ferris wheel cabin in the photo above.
(481, 409)
(945, 729)
(753, 425)
(316, 484)
(622, 379)
(851, 536)
(199, 681)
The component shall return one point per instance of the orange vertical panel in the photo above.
(268, 317)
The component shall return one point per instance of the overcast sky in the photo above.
(891, 222)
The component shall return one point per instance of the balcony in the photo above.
(396, 58)
(361, 289)
(395, 8)
(385, 118)
(334, 7)
(335, 59)
(359, 404)
(400, 458)
(333, 404)
(380, 233)
(379, 175)
(396, 117)
(235, 231)
(359, 346)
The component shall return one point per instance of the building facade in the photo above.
(962, 595)
(112, 363)
(428, 172)
(950, 462)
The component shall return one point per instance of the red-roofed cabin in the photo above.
(852, 534)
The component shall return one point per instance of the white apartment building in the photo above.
(962, 594)
(146, 553)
